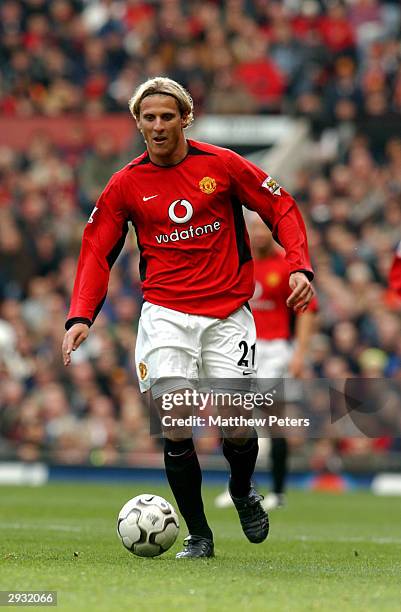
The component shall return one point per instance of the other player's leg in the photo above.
(278, 466)
(274, 356)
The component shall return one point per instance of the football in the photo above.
(147, 525)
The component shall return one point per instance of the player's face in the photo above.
(162, 126)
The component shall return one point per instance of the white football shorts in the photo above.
(175, 345)
(274, 358)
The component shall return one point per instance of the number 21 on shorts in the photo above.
(247, 359)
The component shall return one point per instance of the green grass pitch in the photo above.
(324, 552)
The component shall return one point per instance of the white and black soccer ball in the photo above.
(147, 525)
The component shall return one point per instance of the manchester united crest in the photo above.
(143, 370)
(207, 184)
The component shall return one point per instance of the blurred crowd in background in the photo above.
(333, 61)
(315, 57)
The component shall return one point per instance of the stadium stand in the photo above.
(335, 63)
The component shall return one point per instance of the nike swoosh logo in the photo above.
(170, 454)
(247, 373)
(146, 198)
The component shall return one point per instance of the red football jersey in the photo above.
(395, 272)
(194, 247)
(270, 311)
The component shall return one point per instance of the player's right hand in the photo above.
(72, 340)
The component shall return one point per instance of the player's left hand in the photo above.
(302, 292)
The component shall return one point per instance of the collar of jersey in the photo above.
(171, 165)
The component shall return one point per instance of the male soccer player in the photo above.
(277, 356)
(184, 199)
(395, 272)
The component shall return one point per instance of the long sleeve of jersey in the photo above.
(102, 241)
(276, 207)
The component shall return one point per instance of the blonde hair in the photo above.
(167, 87)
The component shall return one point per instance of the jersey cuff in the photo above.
(308, 273)
(74, 320)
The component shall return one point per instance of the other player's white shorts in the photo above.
(172, 344)
(274, 358)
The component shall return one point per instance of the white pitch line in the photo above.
(49, 527)
(299, 538)
(343, 539)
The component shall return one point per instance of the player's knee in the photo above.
(241, 436)
(178, 435)
(164, 390)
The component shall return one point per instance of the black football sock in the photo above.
(242, 460)
(185, 479)
(278, 456)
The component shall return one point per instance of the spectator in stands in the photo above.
(96, 168)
